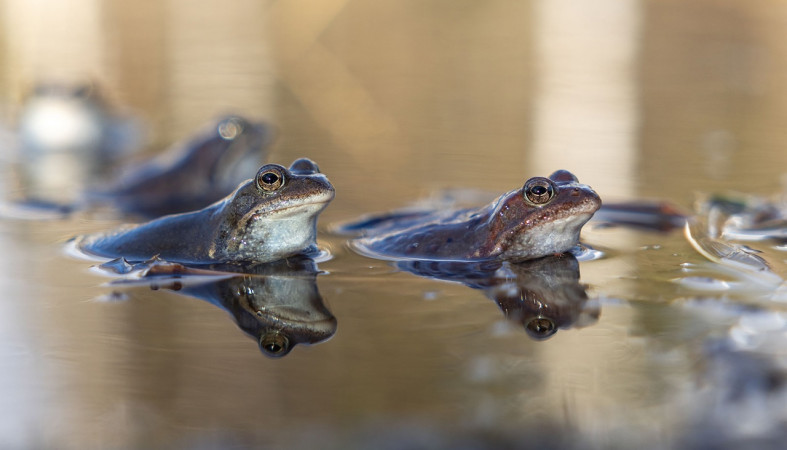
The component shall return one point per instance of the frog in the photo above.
(267, 218)
(189, 175)
(543, 217)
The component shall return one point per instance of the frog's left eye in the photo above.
(539, 191)
(270, 178)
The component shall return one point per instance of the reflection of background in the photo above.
(393, 99)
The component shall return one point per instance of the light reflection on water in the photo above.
(394, 100)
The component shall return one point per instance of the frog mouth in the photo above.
(309, 207)
(589, 205)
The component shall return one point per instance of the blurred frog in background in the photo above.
(68, 135)
(76, 153)
(191, 174)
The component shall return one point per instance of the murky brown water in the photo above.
(395, 99)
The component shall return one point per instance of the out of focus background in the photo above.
(394, 100)
(625, 94)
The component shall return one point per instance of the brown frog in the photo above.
(542, 218)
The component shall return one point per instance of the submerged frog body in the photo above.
(192, 174)
(542, 218)
(267, 218)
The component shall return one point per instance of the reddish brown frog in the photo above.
(542, 218)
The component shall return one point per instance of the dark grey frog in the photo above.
(270, 217)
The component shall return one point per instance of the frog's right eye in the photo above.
(539, 191)
(270, 178)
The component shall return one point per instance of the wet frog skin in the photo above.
(542, 218)
(267, 218)
(192, 174)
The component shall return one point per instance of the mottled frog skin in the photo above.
(542, 218)
(267, 218)
(192, 174)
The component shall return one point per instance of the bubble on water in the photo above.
(431, 295)
(113, 296)
(745, 339)
(586, 253)
(763, 322)
(703, 283)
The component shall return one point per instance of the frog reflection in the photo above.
(542, 295)
(277, 304)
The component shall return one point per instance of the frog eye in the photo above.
(538, 191)
(230, 128)
(270, 178)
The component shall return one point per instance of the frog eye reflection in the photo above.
(539, 191)
(270, 178)
(541, 327)
(274, 344)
